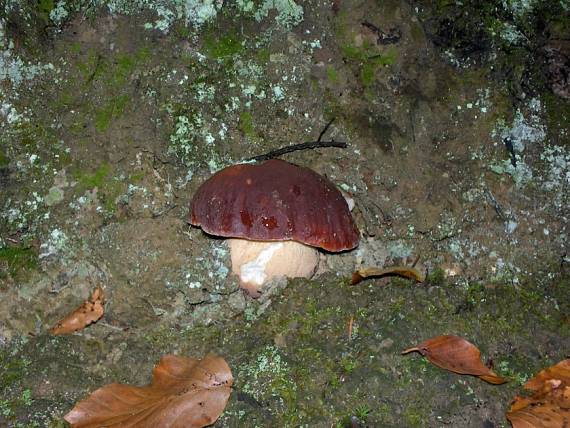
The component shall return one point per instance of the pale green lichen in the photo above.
(267, 375)
(219, 269)
(525, 129)
(520, 8)
(54, 196)
(521, 173)
(182, 143)
(59, 13)
(194, 13)
(278, 93)
(245, 5)
(55, 243)
(288, 13)
(200, 12)
(10, 114)
(399, 249)
(193, 142)
(15, 70)
(556, 175)
(511, 34)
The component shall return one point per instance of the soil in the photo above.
(457, 158)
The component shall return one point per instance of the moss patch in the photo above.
(4, 160)
(105, 115)
(223, 46)
(17, 260)
(246, 125)
(109, 188)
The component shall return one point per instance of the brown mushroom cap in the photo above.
(274, 201)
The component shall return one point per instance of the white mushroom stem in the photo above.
(256, 262)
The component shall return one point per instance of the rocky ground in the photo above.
(456, 117)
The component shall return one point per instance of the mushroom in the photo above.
(277, 215)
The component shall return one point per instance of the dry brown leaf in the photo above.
(458, 355)
(549, 406)
(89, 312)
(403, 271)
(184, 393)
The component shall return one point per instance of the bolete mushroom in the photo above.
(277, 215)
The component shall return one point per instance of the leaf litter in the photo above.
(373, 272)
(87, 313)
(184, 393)
(549, 405)
(457, 355)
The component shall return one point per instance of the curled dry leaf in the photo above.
(458, 355)
(89, 312)
(184, 393)
(549, 406)
(403, 271)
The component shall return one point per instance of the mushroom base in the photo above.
(256, 262)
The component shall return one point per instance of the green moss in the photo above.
(263, 55)
(475, 294)
(348, 364)
(125, 65)
(367, 73)
(362, 411)
(18, 260)
(75, 47)
(44, 7)
(93, 67)
(388, 58)
(4, 160)
(182, 30)
(368, 59)
(246, 125)
(96, 179)
(109, 188)
(436, 277)
(516, 368)
(12, 371)
(221, 47)
(332, 74)
(268, 375)
(136, 177)
(114, 72)
(414, 417)
(353, 52)
(111, 111)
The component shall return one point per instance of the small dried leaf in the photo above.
(403, 271)
(457, 355)
(549, 406)
(184, 393)
(89, 312)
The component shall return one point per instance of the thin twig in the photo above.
(383, 38)
(416, 261)
(302, 146)
(325, 129)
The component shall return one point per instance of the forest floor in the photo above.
(113, 113)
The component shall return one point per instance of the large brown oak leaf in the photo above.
(184, 393)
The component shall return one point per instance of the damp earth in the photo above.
(456, 118)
